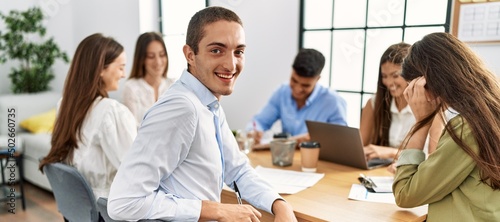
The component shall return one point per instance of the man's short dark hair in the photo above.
(308, 63)
(206, 16)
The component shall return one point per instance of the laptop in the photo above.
(342, 145)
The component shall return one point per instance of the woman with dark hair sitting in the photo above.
(92, 132)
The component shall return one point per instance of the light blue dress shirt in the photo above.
(175, 161)
(323, 105)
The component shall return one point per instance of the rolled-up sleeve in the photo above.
(418, 181)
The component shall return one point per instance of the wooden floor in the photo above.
(40, 207)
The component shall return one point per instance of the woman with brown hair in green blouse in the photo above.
(460, 181)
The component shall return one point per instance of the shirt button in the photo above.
(216, 106)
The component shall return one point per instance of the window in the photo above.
(174, 20)
(353, 35)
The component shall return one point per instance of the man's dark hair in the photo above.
(308, 63)
(195, 31)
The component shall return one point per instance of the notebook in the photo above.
(342, 145)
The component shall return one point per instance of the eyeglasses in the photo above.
(367, 182)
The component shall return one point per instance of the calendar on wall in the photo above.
(478, 22)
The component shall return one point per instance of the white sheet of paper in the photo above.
(359, 192)
(287, 189)
(287, 181)
(384, 184)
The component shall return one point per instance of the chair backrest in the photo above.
(102, 206)
(74, 197)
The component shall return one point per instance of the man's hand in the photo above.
(256, 135)
(283, 211)
(228, 212)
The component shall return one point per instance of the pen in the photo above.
(237, 192)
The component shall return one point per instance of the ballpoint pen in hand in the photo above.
(237, 192)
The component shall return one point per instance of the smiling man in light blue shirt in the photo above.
(185, 151)
(300, 100)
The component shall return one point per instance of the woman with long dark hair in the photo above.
(386, 117)
(460, 181)
(148, 78)
(92, 132)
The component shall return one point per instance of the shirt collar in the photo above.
(313, 95)
(450, 113)
(144, 84)
(201, 91)
(394, 109)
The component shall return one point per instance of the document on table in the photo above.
(287, 181)
(383, 191)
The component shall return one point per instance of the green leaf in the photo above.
(36, 58)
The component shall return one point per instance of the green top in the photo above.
(449, 181)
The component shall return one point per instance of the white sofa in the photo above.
(33, 146)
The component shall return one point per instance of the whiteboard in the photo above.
(479, 22)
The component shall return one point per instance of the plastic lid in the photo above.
(309, 144)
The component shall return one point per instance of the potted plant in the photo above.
(36, 57)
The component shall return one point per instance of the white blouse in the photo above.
(107, 134)
(401, 123)
(139, 96)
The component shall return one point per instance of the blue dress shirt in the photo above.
(323, 105)
(175, 161)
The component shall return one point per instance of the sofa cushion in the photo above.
(25, 106)
(40, 123)
(36, 145)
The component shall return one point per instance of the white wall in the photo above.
(71, 21)
(490, 54)
(271, 29)
(149, 16)
(116, 18)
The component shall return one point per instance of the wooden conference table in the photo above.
(327, 199)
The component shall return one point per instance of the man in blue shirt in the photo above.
(184, 150)
(300, 100)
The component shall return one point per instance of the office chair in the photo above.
(74, 197)
(102, 206)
